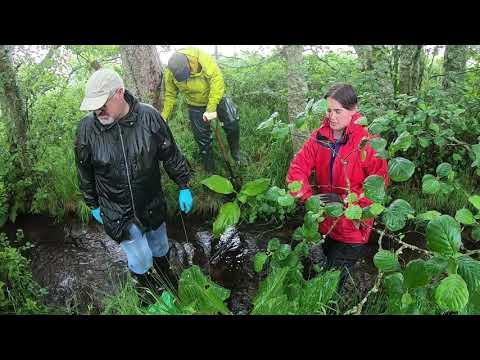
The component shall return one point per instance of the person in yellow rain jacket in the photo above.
(196, 75)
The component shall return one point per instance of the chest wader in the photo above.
(202, 133)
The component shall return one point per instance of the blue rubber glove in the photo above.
(97, 216)
(185, 200)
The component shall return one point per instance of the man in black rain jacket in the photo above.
(118, 150)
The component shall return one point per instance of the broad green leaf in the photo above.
(352, 197)
(376, 209)
(443, 235)
(475, 201)
(269, 122)
(444, 169)
(379, 125)
(320, 107)
(469, 270)
(256, 187)
(416, 274)
(396, 215)
(286, 200)
(400, 169)
(362, 121)
(295, 186)
(378, 144)
(394, 285)
(314, 204)
(353, 212)
(386, 261)
(465, 216)
(273, 245)
(452, 266)
(424, 142)
(452, 293)
(260, 258)
(242, 197)
(434, 127)
(429, 215)
(229, 215)
(374, 188)
(280, 132)
(476, 233)
(218, 184)
(206, 296)
(164, 306)
(334, 209)
(430, 185)
(407, 299)
(436, 265)
(402, 142)
(270, 288)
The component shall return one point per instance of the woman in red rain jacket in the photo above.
(334, 153)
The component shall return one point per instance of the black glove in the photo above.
(329, 198)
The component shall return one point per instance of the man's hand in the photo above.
(97, 216)
(185, 200)
(209, 116)
(329, 198)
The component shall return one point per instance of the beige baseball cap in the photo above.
(99, 87)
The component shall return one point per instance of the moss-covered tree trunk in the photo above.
(297, 86)
(13, 107)
(411, 62)
(454, 63)
(143, 73)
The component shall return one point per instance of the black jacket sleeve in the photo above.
(83, 159)
(174, 161)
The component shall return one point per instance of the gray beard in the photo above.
(106, 120)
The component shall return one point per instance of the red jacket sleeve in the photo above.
(301, 168)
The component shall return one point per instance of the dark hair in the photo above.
(344, 93)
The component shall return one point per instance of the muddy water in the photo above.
(79, 264)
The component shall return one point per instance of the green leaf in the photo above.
(424, 142)
(379, 125)
(242, 197)
(444, 169)
(320, 107)
(430, 185)
(436, 265)
(334, 209)
(469, 270)
(394, 285)
(476, 233)
(218, 184)
(452, 293)
(256, 187)
(295, 186)
(164, 306)
(353, 212)
(269, 289)
(407, 299)
(416, 274)
(362, 121)
(206, 296)
(396, 215)
(403, 142)
(374, 188)
(317, 293)
(260, 258)
(386, 261)
(452, 266)
(376, 209)
(314, 204)
(443, 235)
(400, 169)
(475, 201)
(429, 215)
(269, 122)
(352, 197)
(434, 127)
(378, 144)
(465, 216)
(229, 215)
(286, 200)
(273, 245)
(280, 132)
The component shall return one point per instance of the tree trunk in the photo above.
(13, 105)
(411, 67)
(297, 86)
(143, 73)
(454, 63)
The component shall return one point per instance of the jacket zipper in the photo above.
(128, 175)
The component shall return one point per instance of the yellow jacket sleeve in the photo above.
(170, 94)
(215, 78)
